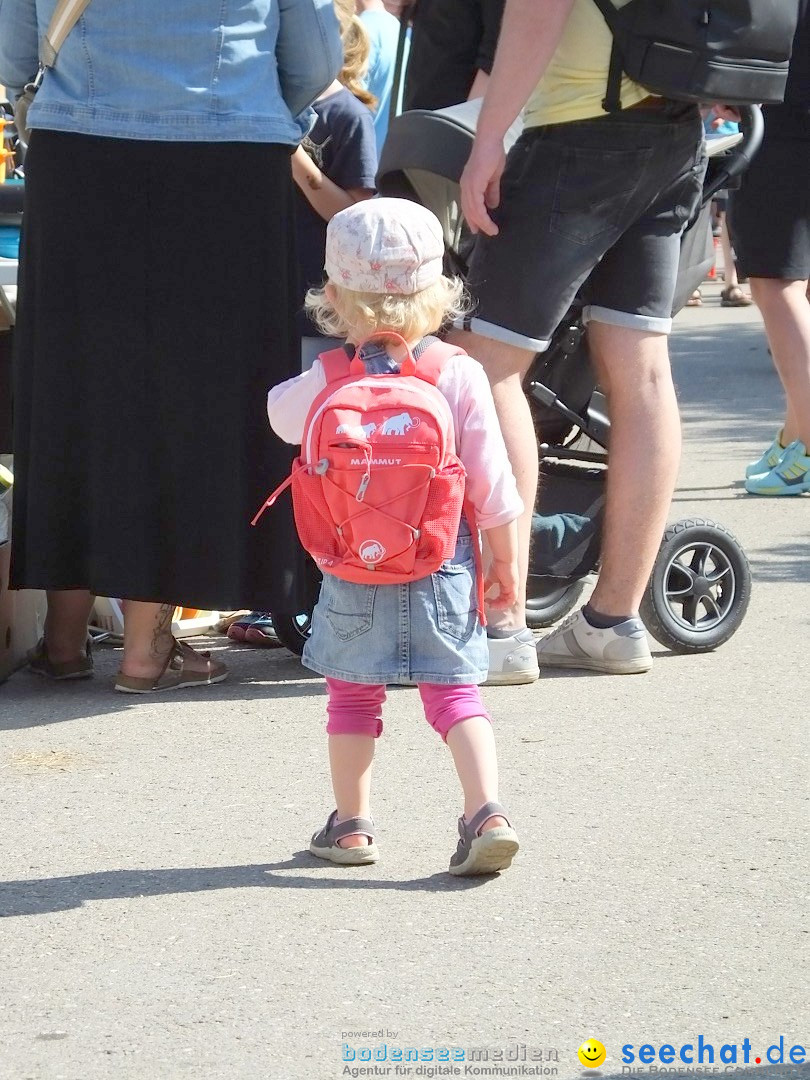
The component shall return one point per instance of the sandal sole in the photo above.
(489, 854)
(61, 678)
(183, 685)
(357, 856)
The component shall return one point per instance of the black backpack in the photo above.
(731, 51)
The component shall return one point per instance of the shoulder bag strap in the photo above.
(65, 17)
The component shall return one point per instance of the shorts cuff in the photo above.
(648, 323)
(500, 333)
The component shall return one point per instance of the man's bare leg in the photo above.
(633, 371)
(645, 447)
(506, 366)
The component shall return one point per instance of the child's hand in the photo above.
(504, 575)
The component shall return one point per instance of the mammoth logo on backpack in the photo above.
(378, 490)
(731, 51)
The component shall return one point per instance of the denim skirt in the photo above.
(425, 631)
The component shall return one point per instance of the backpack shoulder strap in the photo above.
(433, 360)
(608, 9)
(336, 364)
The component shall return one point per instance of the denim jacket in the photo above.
(178, 70)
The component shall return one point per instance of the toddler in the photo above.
(384, 268)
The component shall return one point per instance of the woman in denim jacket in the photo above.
(157, 287)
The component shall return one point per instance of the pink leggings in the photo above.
(356, 708)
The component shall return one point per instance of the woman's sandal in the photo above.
(488, 852)
(324, 844)
(39, 663)
(733, 296)
(175, 675)
(695, 300)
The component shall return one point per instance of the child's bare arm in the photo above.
(503, 570)
(323, 195)
(288, 403)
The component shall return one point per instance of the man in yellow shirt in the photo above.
(585, 196)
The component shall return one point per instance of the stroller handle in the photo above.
(737, 161)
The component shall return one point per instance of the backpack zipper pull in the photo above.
(366, 478)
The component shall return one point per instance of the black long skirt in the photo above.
(157, 293)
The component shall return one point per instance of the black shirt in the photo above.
(450, 41)
(343, 146)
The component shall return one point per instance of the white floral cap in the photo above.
(384, 246)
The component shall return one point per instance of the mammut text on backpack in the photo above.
(731, 51)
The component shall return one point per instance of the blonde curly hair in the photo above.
(350, 314)
(356, 50)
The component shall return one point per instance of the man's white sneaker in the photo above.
(618, 650)
(512, 660)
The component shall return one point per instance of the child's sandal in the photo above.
(488, 852)
(324, 844)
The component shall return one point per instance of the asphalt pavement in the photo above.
(163, 920)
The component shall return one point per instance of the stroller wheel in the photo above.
(699, 589)
(292, 630)
(545, 606)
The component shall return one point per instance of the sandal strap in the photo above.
(172, 672)
(337, 831)
(480, 818)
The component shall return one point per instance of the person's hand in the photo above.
(726, 112)
(481, 184)
(504, 576)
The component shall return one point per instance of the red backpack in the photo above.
(378, 490)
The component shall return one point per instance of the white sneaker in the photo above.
(512, 660)
(618, 650)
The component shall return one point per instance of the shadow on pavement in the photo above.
(783, 562)
(41, 895)
(28, 700)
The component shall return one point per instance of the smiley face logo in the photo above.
(592, 1054)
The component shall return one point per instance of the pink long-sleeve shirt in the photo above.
(491, 486)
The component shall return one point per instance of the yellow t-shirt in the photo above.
(573, 86)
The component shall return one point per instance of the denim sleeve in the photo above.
(309, 51)
(19, 44)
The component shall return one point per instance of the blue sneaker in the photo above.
(769, 460)
(791, 476)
